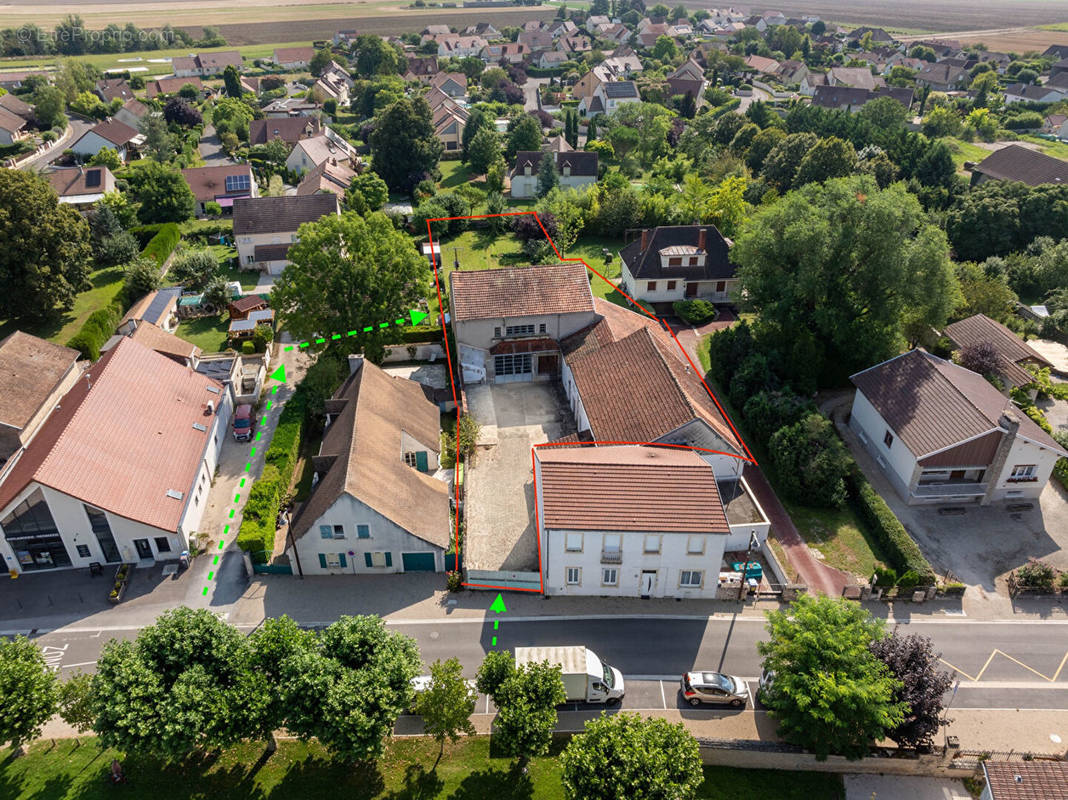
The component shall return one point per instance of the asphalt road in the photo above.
(1006, 664)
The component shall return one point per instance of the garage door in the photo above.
(418, 562)
(513, 367)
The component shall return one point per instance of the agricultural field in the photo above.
(1015, 40)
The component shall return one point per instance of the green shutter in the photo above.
(421, 461)
(322, 560)
(389, 559)
(367, 559)
(341, 558)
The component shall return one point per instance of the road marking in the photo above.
(79, 664)
(53, 656)
(663, 699)
(996, 652)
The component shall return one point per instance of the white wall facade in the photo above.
(1024, 452)
(385, 537)
(246, 250)
(92, 143)
(896, 461)
(668, 290)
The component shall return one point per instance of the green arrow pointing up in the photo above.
(279, 374)
(498, 604)
(417, 316)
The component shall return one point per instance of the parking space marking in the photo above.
(663, 699)
(996, 652)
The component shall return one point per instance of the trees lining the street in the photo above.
(28, 694)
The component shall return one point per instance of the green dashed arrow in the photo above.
(414, 316)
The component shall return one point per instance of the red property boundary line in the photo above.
(452, 384)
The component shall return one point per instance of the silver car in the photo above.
(714, 688)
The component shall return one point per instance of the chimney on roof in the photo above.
(645, 239)
(1010, 421)
(702, 240)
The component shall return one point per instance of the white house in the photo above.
(121, 469)
(376, 506)
(293, 57)
(943, 434)
(608, 96)
(111, 133)
(307, 154)
(574, 169)
(265, 227)
(507, 322)
(638, 521)
(678, 262)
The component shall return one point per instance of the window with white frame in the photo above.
(574, 576)
(612, 547)
(609, 576)
(573, 542)
(339, 531)
(652, 543)
(695, 545)
(690, 578)
(1024, 472)
(519, 330)
(411, 460)
(326, 531)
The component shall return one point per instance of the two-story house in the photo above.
(222, 184)
(376, 506)
(943, 434)
(608, 96)
(678, 262)
(574, 169)
(507, 322)
(265, 227)
(638, 521)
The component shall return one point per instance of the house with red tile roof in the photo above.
(638, 521)
(121, 468)
(943, 434)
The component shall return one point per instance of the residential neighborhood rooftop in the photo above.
(1010, 348)
(1016, 163)
(30, 369)
(519, 291)
(280, 214)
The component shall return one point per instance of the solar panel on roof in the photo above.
(92, 178)
(237, 183)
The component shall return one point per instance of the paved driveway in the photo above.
(500, 486)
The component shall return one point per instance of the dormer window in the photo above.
(567, 170)
(675, 261)
(526, 169)
(693, 261)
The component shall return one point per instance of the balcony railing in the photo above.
(951, 490)
(611, 556)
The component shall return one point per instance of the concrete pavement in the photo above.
(903, 787)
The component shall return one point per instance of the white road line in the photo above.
(663, 699)
(80, 664)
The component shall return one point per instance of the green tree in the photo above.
(404, 149)
(140, 277)
(651, 122)
(727, 207)
(106, 157)
(830, 694)
(321, 61)
(547, 177)
(665, 48)
(183, 685)
(477, 121)
(484, 150)
(812, 462)
(984, 294)
(835, 271)
(447, 704)
(162, 192)
(885, 114)
(46, 255)
(159, 141)
(374, 56)
(274, 644)
(367, 192)
(348, 272)
(830, 157)
(941, 121)
(232, 115)
(194, 267)
(75, 702)
(28, 695)
(784, 159)
(497, 667)
(762, 144)
(349, 691)
(524, 134)
(232, 81)
(526, 700)
(48, 106)
(625, 756)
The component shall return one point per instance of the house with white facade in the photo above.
(81, 186)
(110, 133)
(574, 169)
(307, 154)
(293, 57)
(119, 471)
(221, 184)
(638, 521)
(608, 96)
(265, 227)
(205, 65)
(944, 434)
(379, 502)
(678, 262)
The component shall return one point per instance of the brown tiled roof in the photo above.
(135, 107)
(70, 182)
(615, 323)
(125, 437)
(110, 88)
(170, 85)
(280, 214)
(30, 369)
(933, 404)
(114, 131)
(289, 129)
(16, 106)
(220, 60)
(519, 291)
(11, 122)
(291, 55)
(327, 177)
(1015, 163)
(1010, 348)
(1027, 780)
(207, 183)
(629, 489)
(638, 389)
(365, 440)
(164, 343)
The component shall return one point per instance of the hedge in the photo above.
(160, 246)
(900, 549)
(97, 329)
(419, 334)
(256, 534)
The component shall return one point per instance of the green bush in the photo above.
(248, 347)
(885, 576)
(694, 312)
(909, 580)
(96, 330)
(1036, 575)
(285, 444)
(420, 334)
(256, 534)
(1060, 469)
(811, 462)
(161, 245)
(903, 553)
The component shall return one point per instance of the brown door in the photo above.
(548, 364)
(691, 289)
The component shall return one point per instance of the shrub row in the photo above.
(900, 549)
(420, 334)
(97, 329)
(256, 534)
(160, 246)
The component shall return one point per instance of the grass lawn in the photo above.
(965, 151)
(105, 285)
(207, 333)
(300, 770)
(836, 533)
(453, 174)
(1054, 149)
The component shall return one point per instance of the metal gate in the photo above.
(418, 562)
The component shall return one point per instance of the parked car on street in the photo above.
(714, 688)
